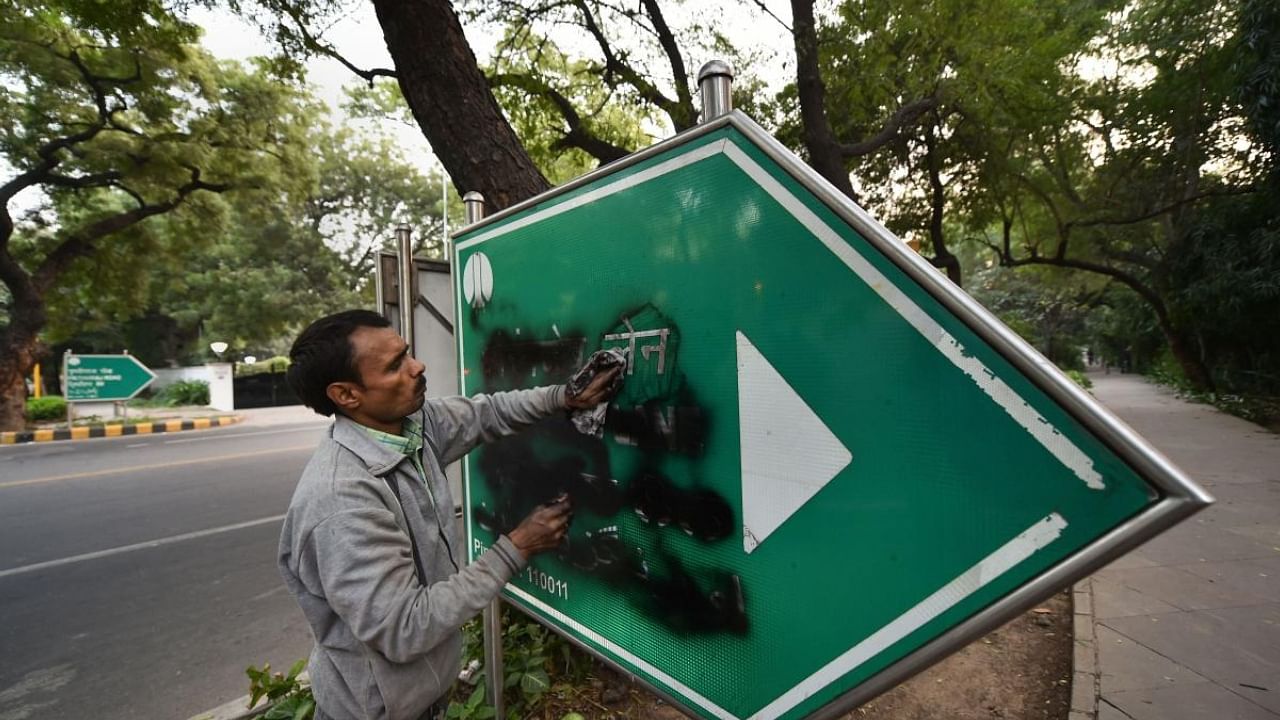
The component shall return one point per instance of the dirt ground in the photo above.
(1020, 672)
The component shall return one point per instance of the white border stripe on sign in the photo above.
(991, 567)
(709, 150)
(1055, 442)
(970, 581)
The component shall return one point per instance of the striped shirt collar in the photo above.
(408, 442)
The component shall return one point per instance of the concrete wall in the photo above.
(168, 376)
(221, 391)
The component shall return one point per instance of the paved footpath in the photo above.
(1188, 625)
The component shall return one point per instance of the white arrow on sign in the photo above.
(788, 453)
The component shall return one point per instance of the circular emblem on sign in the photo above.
(477, 280)
(73, 361)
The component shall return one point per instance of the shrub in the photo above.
(49, 407)
(289, 697)
(184, 392)
(1080, 379)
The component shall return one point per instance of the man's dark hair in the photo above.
(322, 355)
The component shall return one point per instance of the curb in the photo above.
(1084, 658)
(237, 709)
(85, 432)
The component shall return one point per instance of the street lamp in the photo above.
(250, 359)
(218, 348)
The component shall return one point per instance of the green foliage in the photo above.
(185, 392)
(1262, 409)
(1080, 379)
(129, 146)
(533, 78)
(277, 364)
(1048, 308)
(49, 407)
(248, 266)
(536, 662)
(1228, 272)
(289, 698)
(1258, 69)
(473, 708)
(182, 392)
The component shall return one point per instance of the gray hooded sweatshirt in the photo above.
(387, 647)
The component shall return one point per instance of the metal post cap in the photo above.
(715, 68)
(473, 196)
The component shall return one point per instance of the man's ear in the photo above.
(346, 395)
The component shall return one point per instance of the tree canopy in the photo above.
(147, 181)
(1114, 155)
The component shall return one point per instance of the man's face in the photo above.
(392, 383)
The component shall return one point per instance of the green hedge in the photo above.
(49, 407)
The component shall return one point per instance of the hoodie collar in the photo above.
(379, 458)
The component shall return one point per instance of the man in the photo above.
(370, 548)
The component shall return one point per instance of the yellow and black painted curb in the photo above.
(116, 430)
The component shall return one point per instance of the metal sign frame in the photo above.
(1179, 497)
(66, 366)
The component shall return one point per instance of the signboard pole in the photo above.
(70, 413)
(715, 84)
(124, 404)
(403, 234)
(474, 204)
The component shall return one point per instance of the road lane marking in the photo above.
(139, 546)
(246, 434)
(153, 466)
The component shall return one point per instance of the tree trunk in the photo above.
(1192, 366)
(819, 139)
(453, 105)
(19, 349)
(942, 257)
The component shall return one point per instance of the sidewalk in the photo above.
(1188, 626)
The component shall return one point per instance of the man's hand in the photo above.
(596, 392)
(544, 529)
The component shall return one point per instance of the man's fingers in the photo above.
(602, 380)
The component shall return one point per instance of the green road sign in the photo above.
(828, 467)
(103, 378)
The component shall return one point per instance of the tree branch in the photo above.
(1126, 278)
(902, 117)
(770, 13)
(942, 257)
(81, 243)
(681, 116)
(679, 75)
(48, 152)
(578, 136)
(1224, 192)
(312, 43)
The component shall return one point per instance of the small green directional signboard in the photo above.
(104, 378)
(828, 467)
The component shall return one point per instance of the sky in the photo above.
(358, 37)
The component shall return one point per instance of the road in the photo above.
(137, 574)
